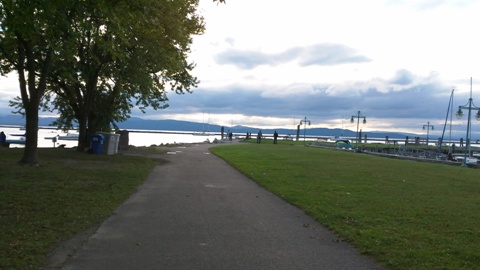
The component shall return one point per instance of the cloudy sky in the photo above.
(271, 63)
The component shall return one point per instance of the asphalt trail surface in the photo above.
(197, 212)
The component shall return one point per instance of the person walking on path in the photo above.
(275, 136)
(3, 137)
(259, 136)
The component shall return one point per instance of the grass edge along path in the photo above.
(70, 192)
(405, 214)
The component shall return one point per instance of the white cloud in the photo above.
(266, 62)
(289, 91)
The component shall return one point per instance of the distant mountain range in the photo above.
(176, 125)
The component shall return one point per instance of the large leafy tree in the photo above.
(95, 58)
(129, 55)
(29, 40)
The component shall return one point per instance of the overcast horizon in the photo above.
(271, 63)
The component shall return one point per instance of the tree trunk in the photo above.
(31, 95)
(30, 153)
(82, 133)
(84, 111)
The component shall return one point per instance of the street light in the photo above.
(428, 126)
(304, 122)
(358, 116)
(459, 115)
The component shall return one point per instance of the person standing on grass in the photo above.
(275, 136)
(259, 136)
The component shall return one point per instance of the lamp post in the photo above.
(358, 116)
(428, 126)
(470, 106)
(304, 122)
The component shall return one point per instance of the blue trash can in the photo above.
(96, 143)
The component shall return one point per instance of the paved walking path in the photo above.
(197, 212)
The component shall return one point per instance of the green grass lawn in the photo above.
(69, 192)
(406, 214)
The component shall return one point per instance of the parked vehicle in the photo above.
(344, 144)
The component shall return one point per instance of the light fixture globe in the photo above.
(459, 113)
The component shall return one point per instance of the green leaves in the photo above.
(94, 60)
(126, 54)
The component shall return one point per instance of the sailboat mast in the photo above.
(451, 117)
(450, 104)
(470, 125)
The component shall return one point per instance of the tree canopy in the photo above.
(124, 59)
(94, 60)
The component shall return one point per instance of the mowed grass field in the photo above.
(406, 214)
(69, 192)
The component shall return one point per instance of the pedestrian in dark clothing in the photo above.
(275, 136)
(3, 137)
(259, 136)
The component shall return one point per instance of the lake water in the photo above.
(136, 137)
(151, 137)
